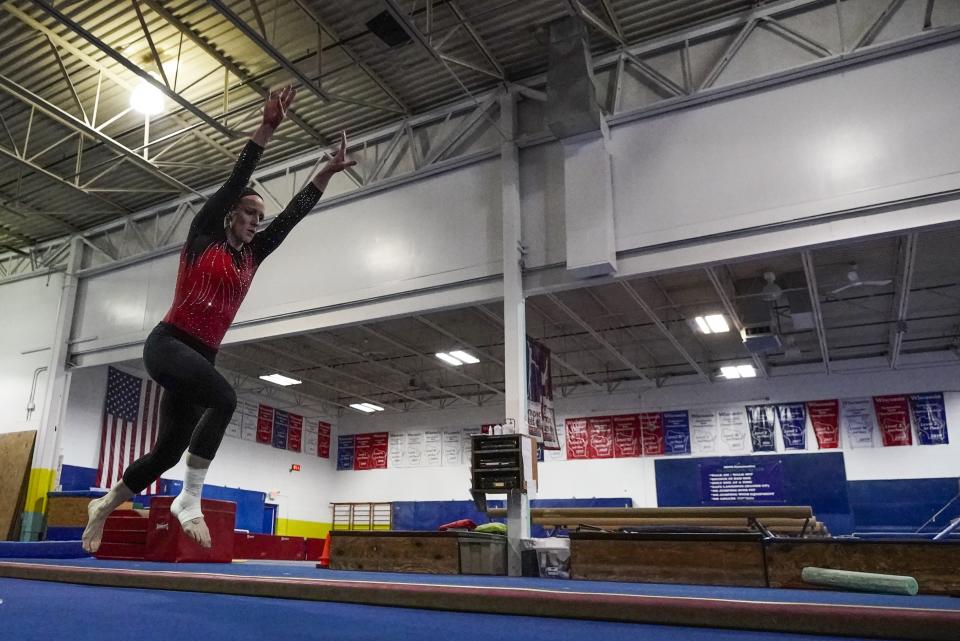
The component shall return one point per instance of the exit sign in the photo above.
(295, 467)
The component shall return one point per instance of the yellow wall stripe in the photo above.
(41, 482)
(309, 529)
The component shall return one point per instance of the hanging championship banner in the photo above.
(250, 420)
(378, 450)
(930, 417)
(540, 416)
(734, 431)
(793, 425)
(265, 424)
(825, 418)
(600, 434)
(363, 451)
(452, 447)
(281, 421)
(577, 438)
(323, 439)
(432, 448)
(626, 436)
(703, 432)
(295, 433)
(762, 419)
(858, 421)
(396, 447)
(651, 433)
(893, 417)
(345, 452)
(676, 432)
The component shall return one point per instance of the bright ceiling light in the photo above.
(447, 358)
(362, 407)
(718, 324)
(712, 324)
(746, 371)
(371, 406)
(146, 99)
(702, 325)
(729, 371)
(280, 379)
(460, 355)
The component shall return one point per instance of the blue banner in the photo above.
(676, 432)
(930, 417)
(281, 421)
(793, 425)
(345, 452)
(762, 419)
(749, 483)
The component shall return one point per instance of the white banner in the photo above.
(734, 431)
(396, 449)
(432, 448)
(452, 447)
(857, 419)
(704, 432)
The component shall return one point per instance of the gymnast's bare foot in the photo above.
(186, 507)
(197, 530)
(97, 512)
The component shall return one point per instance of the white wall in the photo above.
(303, 495)
(28, 314)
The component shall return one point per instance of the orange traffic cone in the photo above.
(325, 555)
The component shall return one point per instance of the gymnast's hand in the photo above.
(275, 109)
(338, 162)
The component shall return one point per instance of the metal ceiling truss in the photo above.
(498, 321)
(449, 368)
(901, 298)
(613, 351)
(778, 17)
(809, 271)
(759, 364)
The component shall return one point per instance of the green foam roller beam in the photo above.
(861, 581)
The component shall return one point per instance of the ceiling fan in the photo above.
(854, 280)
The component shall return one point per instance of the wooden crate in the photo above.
(428, 552)
(934, 564)
(705, 559)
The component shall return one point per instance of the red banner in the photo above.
(295, 433)
(265, 424)
(577, 437)
(651, 433)
(600, 433)
(378, 450)
(626, 436)
(825, 418)
(893, 417)
(363, 451)
(323, 439)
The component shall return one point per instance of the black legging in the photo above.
(196, 407)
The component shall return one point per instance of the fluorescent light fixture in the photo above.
(280, 379)
(746, 371)
(712, 324)
(718, 324)
(146, 99)
(702, 325)
(367, 408)
(447, 358)
(729, 371)
(461, 355)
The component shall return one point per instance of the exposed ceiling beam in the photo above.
(313, 363)
(320, 22)
(388, 368)
(74, 26)
(810, 273)
(649, 311)
(73, 123)
(901, 298)
(558, 359)
(475, 36)
(414, 352)
(759, 363)
(457, 340)
(600, 339)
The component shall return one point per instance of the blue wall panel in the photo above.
(817, 480)
(903, 504)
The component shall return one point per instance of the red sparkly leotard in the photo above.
(214, 277)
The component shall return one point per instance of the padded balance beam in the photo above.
(861, 581)
(789, 512)
(723, 522)
(912, 624)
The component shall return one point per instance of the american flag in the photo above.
(131, 411)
